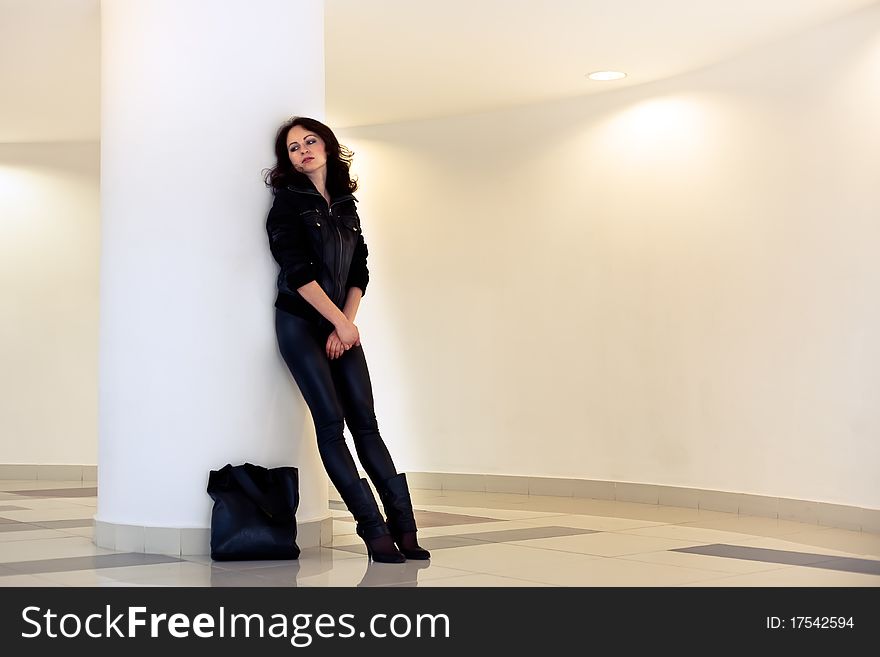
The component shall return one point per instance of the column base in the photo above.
(182, 541)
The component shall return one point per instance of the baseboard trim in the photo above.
(53, 472)
(822, 514)
(181, 542)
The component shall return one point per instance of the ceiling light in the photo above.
(606, 75)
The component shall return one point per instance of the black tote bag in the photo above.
(254, 515)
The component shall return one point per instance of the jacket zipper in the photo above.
(339, 284)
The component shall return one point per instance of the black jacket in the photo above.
(315, 241)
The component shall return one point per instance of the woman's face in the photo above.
(306, 150)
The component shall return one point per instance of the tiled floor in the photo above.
(476, 539)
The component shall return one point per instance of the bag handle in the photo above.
(258, 496)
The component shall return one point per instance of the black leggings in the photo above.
(335, 390)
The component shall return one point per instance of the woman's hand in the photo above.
(348, 334)
(336, 347)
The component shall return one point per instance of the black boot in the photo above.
(370, 526)
(401, 520)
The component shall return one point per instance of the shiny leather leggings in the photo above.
(335, 390)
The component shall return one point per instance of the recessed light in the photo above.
(606, 75)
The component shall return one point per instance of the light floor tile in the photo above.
(360, 572)
(479, 580)
(310, 558)
(184, 573)
(606, 571)
(512, 560)
(26, 580)
(91, 502)
(49, 548)
(705, 562)
(795, 576)
(30, 535)
(226, 578)
(134, 576)
(35, 515)
(688, 533)
(607, 544)
(97, 577)
(86, 532)
(598, 523)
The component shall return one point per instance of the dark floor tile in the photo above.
(16, 526)
(58, 492)
(442, 542)
(507, 535)
(440, 519)
(64, 524)
(809, 559)
(93, 562)
(850, 565)
(754, 554)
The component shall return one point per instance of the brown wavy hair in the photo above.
(339, 181)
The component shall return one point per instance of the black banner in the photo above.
(433, 621)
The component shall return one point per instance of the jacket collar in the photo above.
(310, 189)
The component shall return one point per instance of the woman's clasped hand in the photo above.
(341, 340)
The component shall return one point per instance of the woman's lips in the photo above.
(308, 159)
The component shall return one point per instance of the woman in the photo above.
(315, 236)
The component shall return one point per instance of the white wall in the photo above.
(676, 284)
(49, 251)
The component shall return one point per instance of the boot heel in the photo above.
(390, 553)
(371, 527)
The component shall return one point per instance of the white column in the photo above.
(190, 374)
